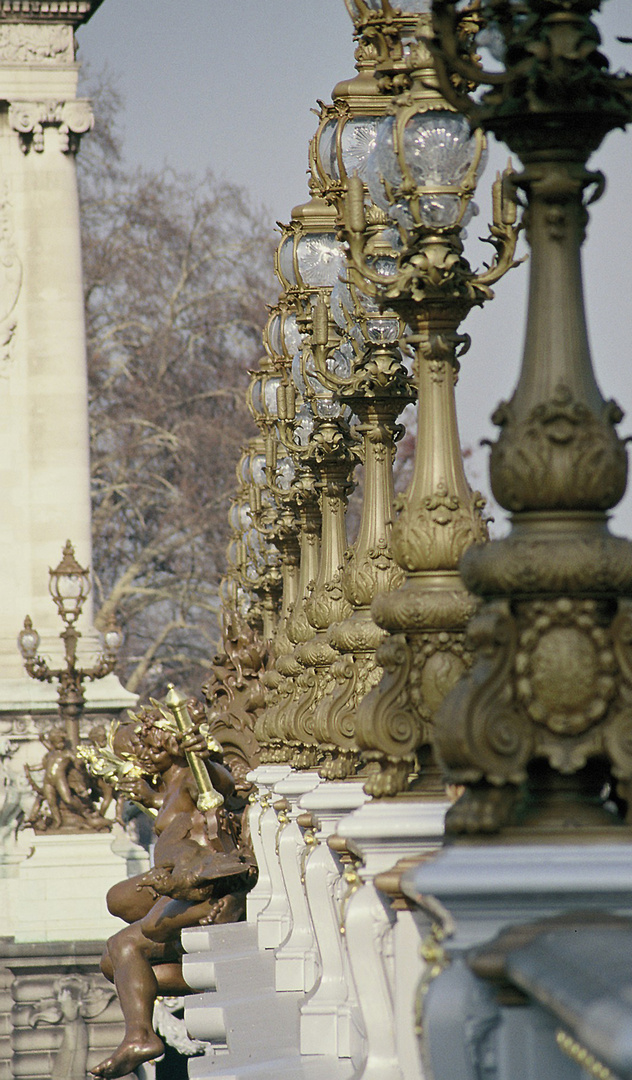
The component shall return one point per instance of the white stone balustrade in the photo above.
(265, 777)
(297, 958)
(382, 945)
(330, 1015)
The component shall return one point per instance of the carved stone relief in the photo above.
(29, 118)
(27, 43)
(10, 282)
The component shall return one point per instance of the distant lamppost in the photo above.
(69, 587)
(414, 189)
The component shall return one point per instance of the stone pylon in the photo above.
(44, 456)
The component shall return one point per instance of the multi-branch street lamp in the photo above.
(69, 585)
(421, 170)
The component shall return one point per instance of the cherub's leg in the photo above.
(130, 900)
(131, 955)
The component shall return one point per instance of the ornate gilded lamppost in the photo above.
(422, 173)
(69, 585)
(253, 562)
(541, 726)
(281, 518)
(308, 264)
(357, 354)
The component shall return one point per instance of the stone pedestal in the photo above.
(383, 947)
(53, 887)
(479, 890)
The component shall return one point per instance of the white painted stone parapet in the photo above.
(477, 890)
(383, 948)
(330, 1018)
(485, 887)
(296, 959)
(265, 777)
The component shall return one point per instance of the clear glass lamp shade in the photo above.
(382, 331)
(244, 469)
(356, 143)
(297, 373)
(328, 407)
(244, 602)
(274, 334)
(291, 338)
(383, 164)
(320, 259)
(250, 571)
(340, 362)
(270, 395)
(28, 640)
(341, 304)
(286, 259)
(304, 425)
(285, 473)
(258, 469)
(439, 150)
(256, 396)
(240, 517)
(112, 640)
(233, 553)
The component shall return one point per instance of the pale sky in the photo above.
(229, 84)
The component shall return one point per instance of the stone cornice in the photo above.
(68, 11)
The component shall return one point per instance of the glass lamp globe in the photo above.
(285, 472)
(69, 585)
(112, 638)
(310, 260)
(270, 402)
(256, 397)
(28, 640)
(244, 469)
(258, 469)
(304, 425)
(344, 146)
(441, 157)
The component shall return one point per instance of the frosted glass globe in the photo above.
(320, 258)
(286, 259)
(291, 338)
(270, 395)
(356, 143)
(285, 473)
(439, 148)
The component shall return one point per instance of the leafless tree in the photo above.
(177, 273)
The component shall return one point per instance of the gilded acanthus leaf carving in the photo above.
(562, 456)
(435, 534)
(370, 572)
